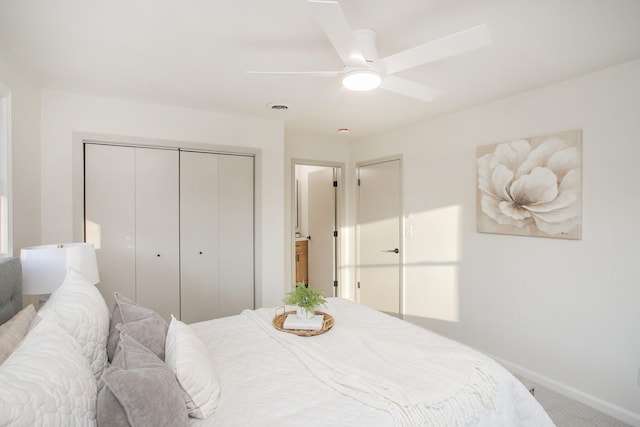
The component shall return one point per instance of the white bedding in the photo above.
(47, 381)
(270, 378)
(368, 370)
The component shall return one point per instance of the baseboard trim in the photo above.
(589, 400)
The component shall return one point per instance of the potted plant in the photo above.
(305, 299)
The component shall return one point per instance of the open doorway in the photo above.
(315, 223)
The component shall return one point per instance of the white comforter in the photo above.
(363, 372)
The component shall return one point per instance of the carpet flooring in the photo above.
(566, 412)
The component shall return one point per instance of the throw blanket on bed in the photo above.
(419, 377)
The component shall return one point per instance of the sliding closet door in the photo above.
(110, 216)
(216, 232)
(199, 251)
(157, 231)
(236, 234)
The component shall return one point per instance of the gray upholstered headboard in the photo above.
(10, 288)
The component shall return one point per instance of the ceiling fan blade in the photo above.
(409, 88)
(444, 47)
(304, 73)
(335, 25)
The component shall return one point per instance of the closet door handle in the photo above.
(395, 251)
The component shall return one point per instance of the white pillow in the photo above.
(188, 357)
(83, 313)
(47, 381)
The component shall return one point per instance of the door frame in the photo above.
(340, 224)
(401, 277)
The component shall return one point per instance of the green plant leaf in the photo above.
(305, 297)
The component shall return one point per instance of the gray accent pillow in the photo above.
(131, 354)
(139, 390)
(149, 332)
(143, 324)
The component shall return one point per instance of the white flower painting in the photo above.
(531, 187)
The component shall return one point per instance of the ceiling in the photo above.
(195, 53)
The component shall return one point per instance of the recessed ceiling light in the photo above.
(343, 130)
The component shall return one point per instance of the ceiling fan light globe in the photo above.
(361, 80)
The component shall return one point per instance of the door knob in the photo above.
(395, 251)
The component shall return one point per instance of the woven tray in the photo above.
(279, 319)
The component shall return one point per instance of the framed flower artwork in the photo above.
(531, 187)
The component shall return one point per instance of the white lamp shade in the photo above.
(361, 80)
(45, 267)
(82, 257)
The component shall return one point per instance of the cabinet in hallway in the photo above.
(173, 229)
(302, 261)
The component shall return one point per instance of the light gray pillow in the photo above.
(131, 354)
(16, 328)
(139, 390)
(142, 323)
(127, 310)
(149, 332)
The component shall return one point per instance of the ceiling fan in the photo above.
(363, 70)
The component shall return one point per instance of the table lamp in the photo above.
(45, 267)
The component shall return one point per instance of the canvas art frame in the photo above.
(531, 186)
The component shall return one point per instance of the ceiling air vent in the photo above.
(277, 107)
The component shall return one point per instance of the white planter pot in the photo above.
(304, 314)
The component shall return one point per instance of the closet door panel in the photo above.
(157, 231)
(199, 236)
(110, 216)
(236, 234)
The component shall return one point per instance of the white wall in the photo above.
(65, 113)
(302, 175)
(563, 312)
(24, 100)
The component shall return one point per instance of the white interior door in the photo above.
(110, 216)
(378, 235)
(321, 214)
(157, 231)
(236, 234)
(199, 227)
(216, 230)
(131, 216)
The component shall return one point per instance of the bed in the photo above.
(82, 363)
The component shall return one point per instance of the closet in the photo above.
(216, 233)
(173, 229)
